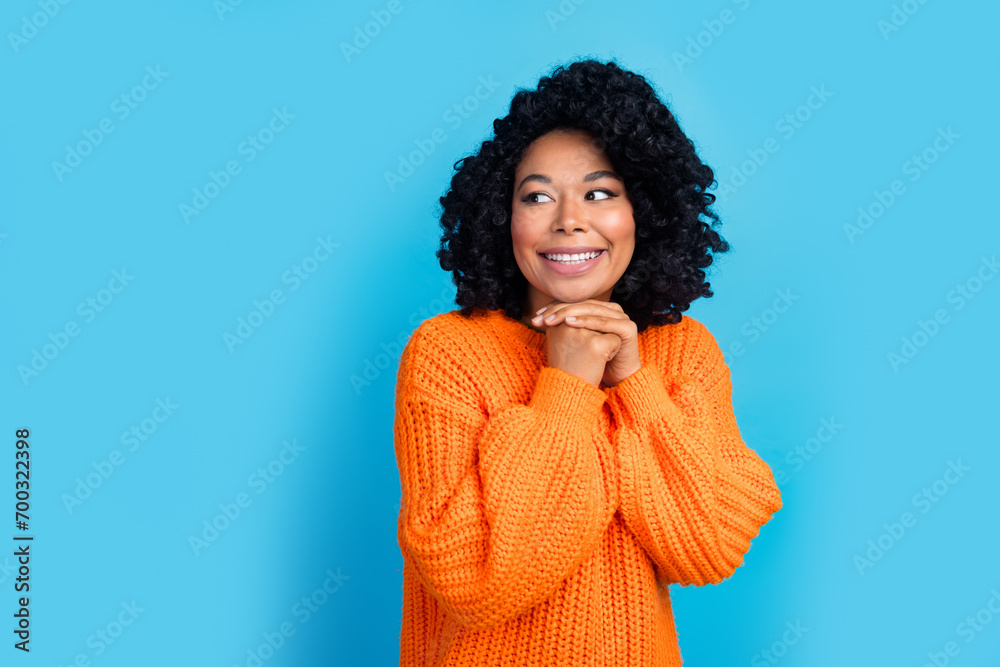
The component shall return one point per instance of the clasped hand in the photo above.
(594, 340)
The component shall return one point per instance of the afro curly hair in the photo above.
(663, 176)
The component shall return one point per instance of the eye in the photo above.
(605, 194)
(533, 197)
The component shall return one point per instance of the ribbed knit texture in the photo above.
(543, 518)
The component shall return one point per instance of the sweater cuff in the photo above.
(643, 396)
(560, 392)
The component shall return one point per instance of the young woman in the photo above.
(566, 440)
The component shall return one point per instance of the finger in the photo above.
(560, 316)
(590, 305)
(541, 310)
(550, 304)
(548, 311)
(614, 305)
(558, 313)
(624, 328)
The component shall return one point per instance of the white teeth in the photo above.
(573, 259)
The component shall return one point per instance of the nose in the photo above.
(571, 216)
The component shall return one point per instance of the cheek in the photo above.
(625, 238)
(624, 228)
(520, 235)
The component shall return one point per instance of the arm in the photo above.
(498, 510)
(692, 492)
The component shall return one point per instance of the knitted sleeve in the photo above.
(497, 510)
(692, 492)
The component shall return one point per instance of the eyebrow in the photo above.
(592, 176)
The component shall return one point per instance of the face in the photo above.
(568, 200)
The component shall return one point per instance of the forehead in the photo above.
(564, 150)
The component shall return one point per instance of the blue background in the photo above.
(319, 370)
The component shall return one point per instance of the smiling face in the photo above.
(569, 201)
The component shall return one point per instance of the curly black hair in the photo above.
(664, 177)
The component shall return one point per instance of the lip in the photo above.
(570, 250)
(573, 269)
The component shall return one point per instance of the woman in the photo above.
(566, 440)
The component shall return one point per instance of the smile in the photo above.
(571, 265)
(573, 259)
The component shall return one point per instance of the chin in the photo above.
(575, 297)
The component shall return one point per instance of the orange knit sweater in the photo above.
(543, 518)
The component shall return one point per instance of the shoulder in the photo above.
(686, 348)
(447, 331)
(438, 351)
(689, 332)
(699, 335)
